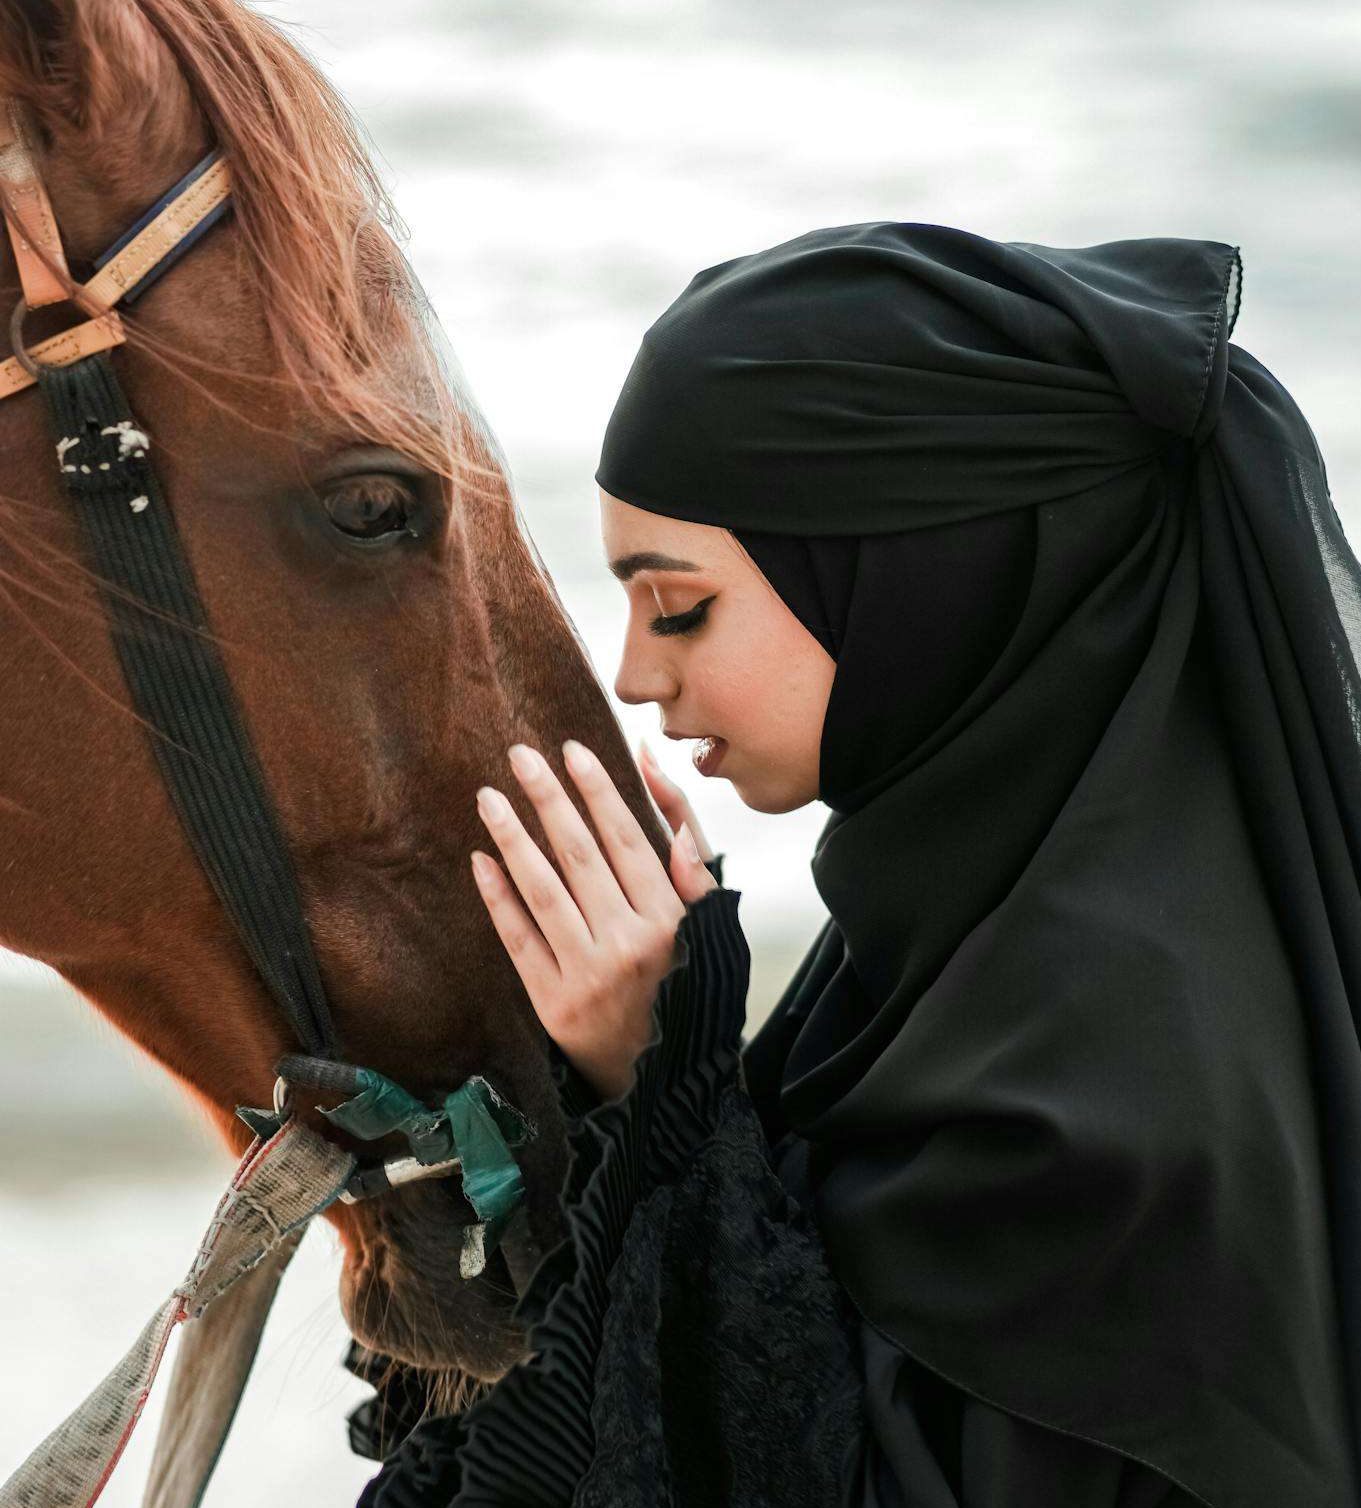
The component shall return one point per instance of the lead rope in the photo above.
(281, 1183)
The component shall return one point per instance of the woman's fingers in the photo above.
(688, 873)
(635, 864)
(531, 955)
(550, 904)
(589, 877)
(672, 802)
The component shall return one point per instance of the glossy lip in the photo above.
(674, 733)
(709, 765)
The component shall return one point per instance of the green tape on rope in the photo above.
(474, 1124)
(382, 1107)
(484, 1130)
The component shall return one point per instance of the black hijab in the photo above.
(888, 609)
(1076, 1052)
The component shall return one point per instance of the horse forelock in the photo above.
(351, 332)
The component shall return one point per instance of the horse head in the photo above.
(386, 627)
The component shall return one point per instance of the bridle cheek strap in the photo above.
(33, 232)
(171, 662)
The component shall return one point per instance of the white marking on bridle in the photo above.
(131, 440)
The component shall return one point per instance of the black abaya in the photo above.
(691, 1349)
(1093, 968)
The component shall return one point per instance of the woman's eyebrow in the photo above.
(649, 560)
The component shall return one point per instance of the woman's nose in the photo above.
(632, 688)
(642, 678)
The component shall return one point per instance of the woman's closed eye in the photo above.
(681, 623)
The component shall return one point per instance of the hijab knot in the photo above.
(857, 374)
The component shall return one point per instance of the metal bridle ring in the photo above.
(16, 341)
(283, 1098)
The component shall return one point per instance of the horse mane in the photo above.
(351, 328)
(318, 228)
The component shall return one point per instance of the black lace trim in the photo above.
(400, 1401)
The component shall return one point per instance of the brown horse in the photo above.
(386, 625)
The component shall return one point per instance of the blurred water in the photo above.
(565, 168)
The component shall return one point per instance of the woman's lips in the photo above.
(708, 754)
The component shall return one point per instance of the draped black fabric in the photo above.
(1076, 1052)
(815, 577)
(889, 606)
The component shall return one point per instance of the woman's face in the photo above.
(712, 643)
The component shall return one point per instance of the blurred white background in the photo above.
(565, 167)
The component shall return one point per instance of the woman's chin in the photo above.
(771, 796)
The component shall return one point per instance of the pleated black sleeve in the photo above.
(689, 1345)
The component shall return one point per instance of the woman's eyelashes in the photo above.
(681, 623)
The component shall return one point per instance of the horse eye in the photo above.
(371, 507)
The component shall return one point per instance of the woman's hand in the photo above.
(592, 951)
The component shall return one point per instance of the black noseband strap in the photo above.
(179, 685)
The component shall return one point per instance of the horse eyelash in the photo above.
(681, 623)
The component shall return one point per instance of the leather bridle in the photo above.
(176, 675)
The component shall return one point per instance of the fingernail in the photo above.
(526, 762)
(688, 843)
(645, 753)
(492, 804)
(579, 758)
(484, 871)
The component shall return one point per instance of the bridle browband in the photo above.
(122, 273)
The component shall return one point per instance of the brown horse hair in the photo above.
(319, 236)
(317, 229)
